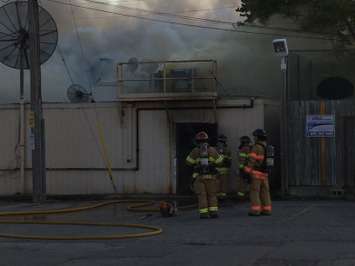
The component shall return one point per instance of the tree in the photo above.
(333, 17)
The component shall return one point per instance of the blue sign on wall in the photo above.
(318, 126)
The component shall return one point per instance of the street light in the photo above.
(281, 50)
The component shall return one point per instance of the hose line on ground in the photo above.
(151, 230)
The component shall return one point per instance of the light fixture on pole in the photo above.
(281, 50)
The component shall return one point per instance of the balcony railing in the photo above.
(167, 80)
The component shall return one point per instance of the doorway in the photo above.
(185, 134)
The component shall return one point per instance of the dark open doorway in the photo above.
(185, 133)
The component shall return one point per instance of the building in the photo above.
(144, 137)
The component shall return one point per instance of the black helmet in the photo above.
(222, 138)
(259, 133)
(245, 140)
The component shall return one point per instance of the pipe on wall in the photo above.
(250, 105)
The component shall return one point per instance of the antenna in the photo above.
(14, 35)
(28, 38)
(77, 94)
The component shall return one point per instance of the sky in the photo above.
(91, 42)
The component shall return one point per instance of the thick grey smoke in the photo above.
(246, 63)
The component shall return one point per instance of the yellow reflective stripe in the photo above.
(213, 209)
(211, 159)
(219, 160)
(204, 210)
(190, 160)
(241, 194)
(244, 155)
(241, 166)
(223, 170)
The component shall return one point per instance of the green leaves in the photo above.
(334, 17)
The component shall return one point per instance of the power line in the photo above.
(65, 64)
(205, 10)
(161, 13)
(282, 29)
(80, 43)
(199, 19)
(192, 25)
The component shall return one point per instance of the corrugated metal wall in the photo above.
(75, 165)
(317, 161)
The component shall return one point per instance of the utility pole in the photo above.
(37, 129)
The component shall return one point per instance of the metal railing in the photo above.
(167, 79)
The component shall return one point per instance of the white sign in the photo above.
(318, 126)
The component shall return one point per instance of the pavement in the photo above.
(298, 233)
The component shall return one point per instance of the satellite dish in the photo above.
(132, 64)
(78, 94)
(14, 37)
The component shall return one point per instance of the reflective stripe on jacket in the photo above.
(243, 156)
(256, 162)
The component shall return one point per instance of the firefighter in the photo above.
(244, 178)
(224, 169)
(257, 168)
(204, 159)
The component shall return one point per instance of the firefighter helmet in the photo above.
(201, 136)
(245, 140)
(222, 138)
(259, 133)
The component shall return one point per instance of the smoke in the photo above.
(246, 63)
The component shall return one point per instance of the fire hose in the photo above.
(135, 206)
(150, 230)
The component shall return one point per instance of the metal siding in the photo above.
(71, 144)
(235, 123)
(72, 138)
(9, 138)
(9, 181)
(305, 153)
(154, 175)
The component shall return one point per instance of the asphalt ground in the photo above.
(298, 233)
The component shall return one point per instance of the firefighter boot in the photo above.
(213, 214)
(204, 215)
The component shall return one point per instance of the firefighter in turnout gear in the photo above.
(204, 159)
(224, 169)
(257, 168)
(244, 178)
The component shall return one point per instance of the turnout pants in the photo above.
(206, 189)
(222, 181)
(260, 196)
(243, 183)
